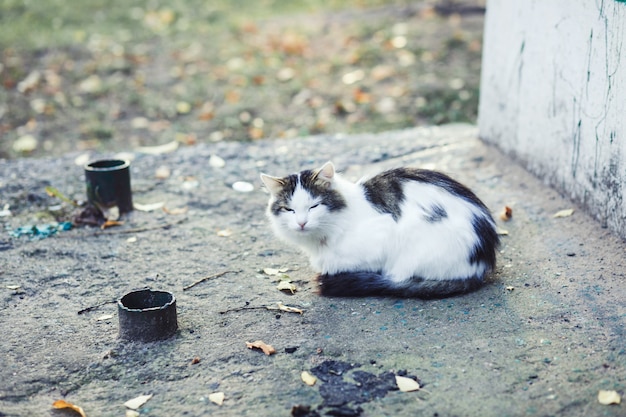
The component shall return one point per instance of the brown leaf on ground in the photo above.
(259, 344)
(507, 214)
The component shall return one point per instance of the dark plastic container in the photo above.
(147, 315)
(108, 184)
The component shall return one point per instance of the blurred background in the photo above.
(113, 75)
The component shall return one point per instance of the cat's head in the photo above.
(302, 204)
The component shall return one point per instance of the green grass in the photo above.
(37, 24)
(104, 64)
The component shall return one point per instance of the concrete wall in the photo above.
(553, 95)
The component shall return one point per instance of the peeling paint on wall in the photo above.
(552, 88)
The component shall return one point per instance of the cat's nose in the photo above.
(301, 224)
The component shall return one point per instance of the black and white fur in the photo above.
(405, 232)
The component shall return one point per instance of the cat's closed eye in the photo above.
(314, 205)
(285, 209)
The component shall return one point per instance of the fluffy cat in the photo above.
(405, 232)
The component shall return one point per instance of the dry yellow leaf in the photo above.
(137, 402)
(259, 344)
(270, 271)
(59, 404)
(502, 232)
(105, 317)
(564, 213)
(132, 413)
(288, 309)
(224, 232)
(608, 397)
(285, 285)
(111, 223)
(510, 288)
(407, 384)
(217, 398)
(308, 379)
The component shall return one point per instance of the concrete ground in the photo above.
(541, 339)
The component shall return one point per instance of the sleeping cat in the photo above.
(405, 232)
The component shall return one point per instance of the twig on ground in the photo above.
(142, 229)
(219, 274)
(88, 309)
(232, 310)
(279, 306)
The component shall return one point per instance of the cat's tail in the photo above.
(365, 283)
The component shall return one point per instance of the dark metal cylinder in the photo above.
(108, 184)
(147, 315)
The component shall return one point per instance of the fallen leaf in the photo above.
(59, 404)
(608, 397)
(91, 84)
(259, 344)
(182, 107)
(148, 207)
(502, 232)
(509, 288)
(288, 309)
(224, 232)
(353, 77)
(271, 271)
(25, 144)
(140, 123)
(308, 379)
(111, 223)
(286, 285)
(105, 317)
(195, 361)
(132, 239)
(137, 402)
(285, 74)
(29, 83)
(159, 149)
(132, 413)
(13, 287)
(176, 211)
(163, 172)
(564, 213)
(217, 398)
(407, 384)
(506, 214)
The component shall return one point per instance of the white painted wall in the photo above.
(553, 95)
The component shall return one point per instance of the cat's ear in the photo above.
(326, 172)
(273, 184)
